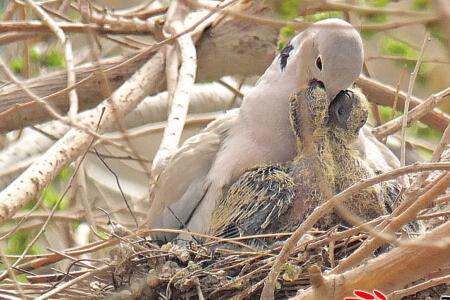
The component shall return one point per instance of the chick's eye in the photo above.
(319, 63)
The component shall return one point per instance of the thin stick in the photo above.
(397, 91)
(400, 294)
(412, 81)
(12, 275)
(72, 282)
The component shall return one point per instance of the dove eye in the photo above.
(319, 63)
(284, 55)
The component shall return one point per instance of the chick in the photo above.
(347, 114)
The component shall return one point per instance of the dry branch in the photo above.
(40, 27)
(417, 113)
(27, 186)
(181, 94)
(18, 110)
(397, 295)
(385, 95)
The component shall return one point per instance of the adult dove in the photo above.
(198, 175)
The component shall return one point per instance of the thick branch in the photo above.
(382, 94)
(18, 110)
(420, 111)
(181, 93)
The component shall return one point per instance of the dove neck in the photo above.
(265, 111)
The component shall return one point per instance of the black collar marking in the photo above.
(284, 55)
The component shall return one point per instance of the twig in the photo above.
(72, 282)
(12, 275)
(364, 10)
(56, 205)
(439, 186)
(442, 199)
(300, 25)
(403, 59)
(122, 22)
(385, 95)
(199, 289)
(236, 91)
(397, 92)
(37, 26)
(107, 92)
(416, 113)
(419, 287)
(436, 156)
(412, 81)
(119, 186)
(373, 274)
(10, 10)
(53, 111)
(68, 55)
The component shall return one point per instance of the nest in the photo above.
(134, 267)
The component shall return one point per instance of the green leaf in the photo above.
(18, 242)
(368, 34)
(378, 3)
(288, 9)
(395, 47)
(51, 197)
(35, 56)
(286, 33)
(324, 15)
(420, 4)
(53, 59)
(64, 175)
(17, 64)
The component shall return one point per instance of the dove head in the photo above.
(330, 51)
